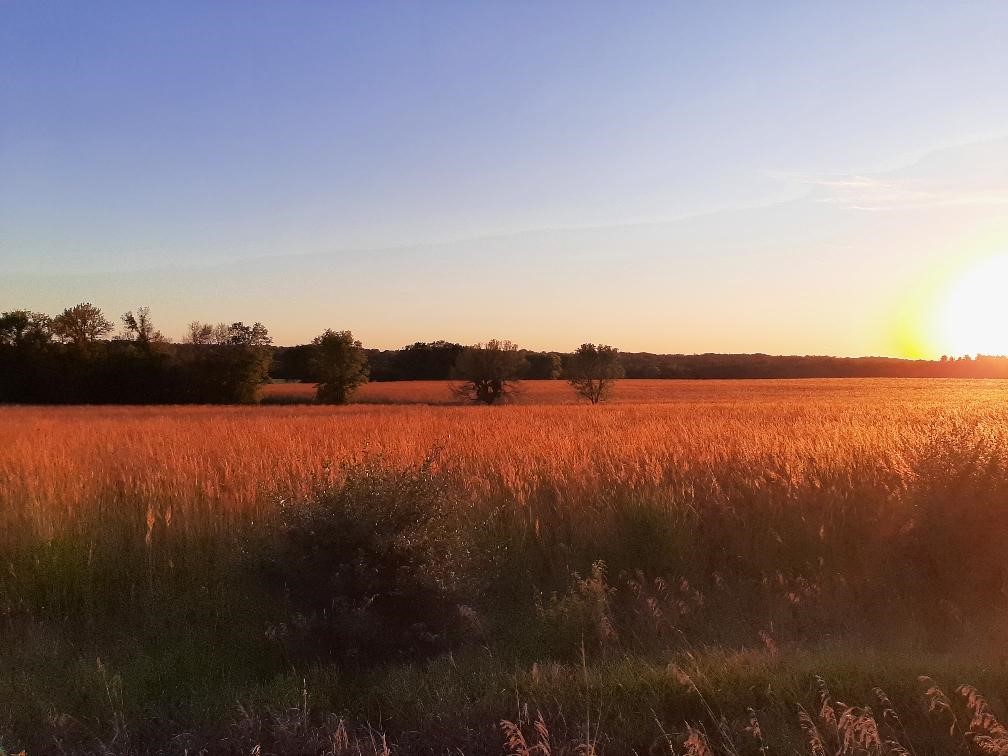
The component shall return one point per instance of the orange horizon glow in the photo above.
(959, 311)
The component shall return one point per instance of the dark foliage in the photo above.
(340, 363)
(489, 373)
(426, 362)
(64, 361)
(70, 359)
(593, 371)
(369, 568)
(543, 366)
(647, 365)
(294, 364)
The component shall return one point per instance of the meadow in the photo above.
(695, 567)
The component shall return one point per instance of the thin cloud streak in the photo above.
(879, 193)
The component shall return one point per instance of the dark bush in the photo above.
(373, 567)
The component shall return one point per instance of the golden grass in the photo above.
(831, 500)
(658, 391)
(715, 439)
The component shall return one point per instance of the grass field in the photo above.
(647, 391)
(632, 577)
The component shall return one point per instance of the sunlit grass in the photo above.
(747, 533)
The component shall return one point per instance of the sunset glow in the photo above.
(971, 317)
(504, 378)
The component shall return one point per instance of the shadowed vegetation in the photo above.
(621, 577)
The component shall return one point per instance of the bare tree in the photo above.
(140, 328)
(489, 372)
(593, 371)
(81, 324)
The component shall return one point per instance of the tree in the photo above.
(426, 362)
(20, 328)
(81, 324)
(24, 338)
(228, 363)
(489, 372)
(205, 334)
(254, 335)
(340, 364)
(593, 371)
(296, 363)
(140, 328)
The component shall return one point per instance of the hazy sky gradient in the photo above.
(669, 177)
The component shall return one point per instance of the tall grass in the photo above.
(764, 517)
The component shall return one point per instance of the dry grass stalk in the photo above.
(889, 715)
(858, 733)
(985, 745)
(517, 745)
(939, 707)
(828, 717)
(986, 734)
(985, 721)
(813, 740)
(696, 743)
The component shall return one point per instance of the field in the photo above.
(405, 573)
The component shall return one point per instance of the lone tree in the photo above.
(81, 324)
(340, 364)
(489, 372)
(593, 371)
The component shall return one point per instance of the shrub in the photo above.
(373, 567)
(583, 616)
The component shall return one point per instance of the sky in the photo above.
(791, 178)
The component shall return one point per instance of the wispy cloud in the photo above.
(874, 195)
(974, 179)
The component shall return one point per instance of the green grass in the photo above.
(142, 698)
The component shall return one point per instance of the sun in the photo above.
(973, 318)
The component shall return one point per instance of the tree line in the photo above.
(78, 357)
(81, 356)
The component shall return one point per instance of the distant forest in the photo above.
(433, 361)
(79, 356)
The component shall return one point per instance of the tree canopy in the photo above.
(81, 324)
(489, 372)
(593, 371)
(340, 363)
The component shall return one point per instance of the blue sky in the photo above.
(695, 176)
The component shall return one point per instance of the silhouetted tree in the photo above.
(340, 364)
(426, 362)
(140, 328)
(81, 324)
(489, 372)
(226, 364)
(206, 334)
(20, 328)
(593, 370)
(254, 335)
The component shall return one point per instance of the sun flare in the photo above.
(972, 319)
